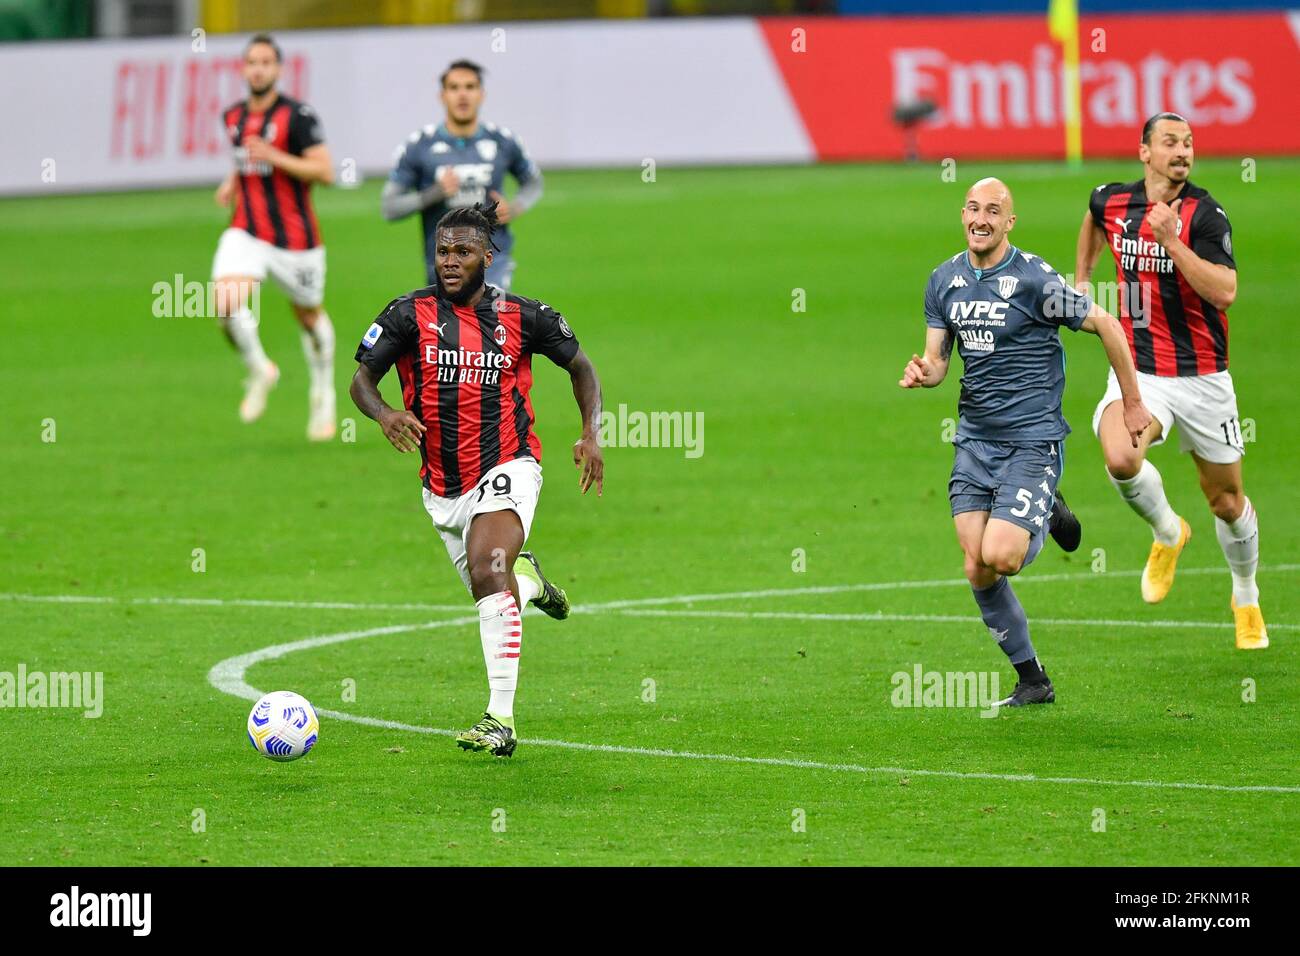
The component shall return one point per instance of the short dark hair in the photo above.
(269, 41)
(1149, 126)
(462, 65)
(481, 217)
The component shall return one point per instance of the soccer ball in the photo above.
(283, 725)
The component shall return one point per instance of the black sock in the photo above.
(1031, 672)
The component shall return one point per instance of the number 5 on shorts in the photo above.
(1026, 498)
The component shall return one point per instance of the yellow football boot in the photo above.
(1251, 633)
(1158, 575)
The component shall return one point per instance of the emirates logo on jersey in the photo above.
(461, 366)
(1136, 254)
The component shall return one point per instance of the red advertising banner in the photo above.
(997, 82)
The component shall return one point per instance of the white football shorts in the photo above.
(514, 486)
(299, 272)
(1204, 407)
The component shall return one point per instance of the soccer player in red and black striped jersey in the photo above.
(1172, 244)
(463, 351)
(279, 152)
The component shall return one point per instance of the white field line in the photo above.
(924, 618)
(901, 585)
(226, 602)
(602, 606)
(228, 676)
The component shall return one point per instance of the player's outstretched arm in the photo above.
(1106, 327)
(398, 203)
(587, 456)
(400, 427)
(928, 370)
(1092, 239)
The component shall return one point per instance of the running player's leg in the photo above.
(1237, 528)
(1139, 483)
(1222, 486)
(975, 477)
(501, 508)
(1005, 547)
(301, 273)
(1136, 479)
(318, 350)
(1210, 431)
(999, 607)
(237, 268)
(453, 519)
(493, 545)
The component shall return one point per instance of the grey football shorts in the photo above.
(1014, 482)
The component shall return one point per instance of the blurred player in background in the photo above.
(463, 351)
(279, 151)
(1172, 244)
(1004, 309)
(460, 163)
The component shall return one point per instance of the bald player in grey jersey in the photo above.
(1004, 309)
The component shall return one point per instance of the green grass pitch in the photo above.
(681, 291)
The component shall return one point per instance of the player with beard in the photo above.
(461, 162)
(1172, 244)
(1004, 308)
(279, 151)
(463, 350)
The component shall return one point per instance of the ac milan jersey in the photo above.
(1183, 334)
(272, 205)
(465, 374)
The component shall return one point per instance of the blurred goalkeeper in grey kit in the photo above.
(458, 163)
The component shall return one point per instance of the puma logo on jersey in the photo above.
(1122, 223)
